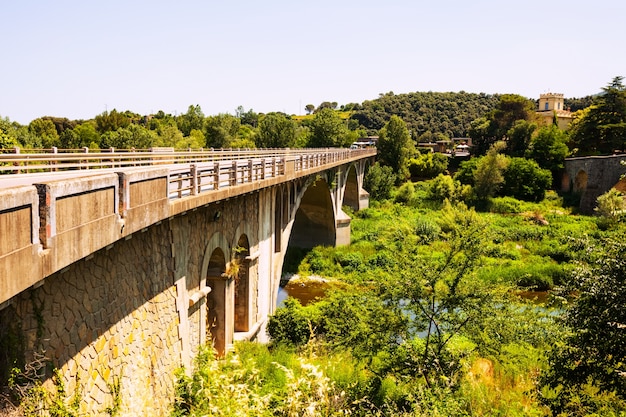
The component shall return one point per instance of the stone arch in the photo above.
(351, 192)
(314, 222)
(580, 182)
(221, 298)
(241, 262)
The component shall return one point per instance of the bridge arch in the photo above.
(314, 220)
(240, 264)
(351, 196)
(220, 299)
(580, 181)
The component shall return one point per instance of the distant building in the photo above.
(552, 105)
(366, 142)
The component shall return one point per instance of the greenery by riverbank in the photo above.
(425, 321)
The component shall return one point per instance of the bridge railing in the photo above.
(29, 161)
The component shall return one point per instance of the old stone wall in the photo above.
(592, 176)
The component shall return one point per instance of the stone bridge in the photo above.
(593, 176)
(119, 275)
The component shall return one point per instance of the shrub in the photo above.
(525, 180)
(290, 324)
(405, 193)
(505, 205)
(428, 165)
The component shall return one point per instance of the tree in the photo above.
(193, 119)
(249, 117)
(134, 136)
(497, 124)
(309, 108)
(8, 138)
(587, 371)
(519, 137)
(395, 147)
(601, 128)
(442, 296)
(549, 148)
(379, 181)
(221, 131)
(111, 121)
(525, 180)
(611, 208)
(45, 130)
(428, 165)
(275, 131)
(488, 176)
(327, 130)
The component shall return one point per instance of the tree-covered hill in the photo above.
(447, 113)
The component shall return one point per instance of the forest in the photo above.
(471, 287)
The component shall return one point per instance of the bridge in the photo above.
(592, 176)
(116, 266)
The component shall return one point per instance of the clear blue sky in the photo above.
(76, 59)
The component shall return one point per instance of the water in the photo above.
(309, 291)
(305, 292)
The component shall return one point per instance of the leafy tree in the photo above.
(525, 180)
(395, 147)
(442, 297)
(327, 130)
(428, 165)
(6, 141)
(275, 131)
(45, 130)
(549, 148)
(195, 140)
(8, 138)
(379, 181)
(467, 169)
(192, 119)
(488, 176)
(221, 130)
(169, 135)
(601, 128)
(249, 117)
(111, 121)
(496, 125)
(309, 108)
(447, 113)
(444, 187)
(586, 373)
(519, 137)
(134, 136)
(82, 135)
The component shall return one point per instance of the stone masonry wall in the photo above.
(112, 317)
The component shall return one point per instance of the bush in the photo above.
(525, 180)
(428, 165)
(290, 324)
(405, 193)
(505, 205)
